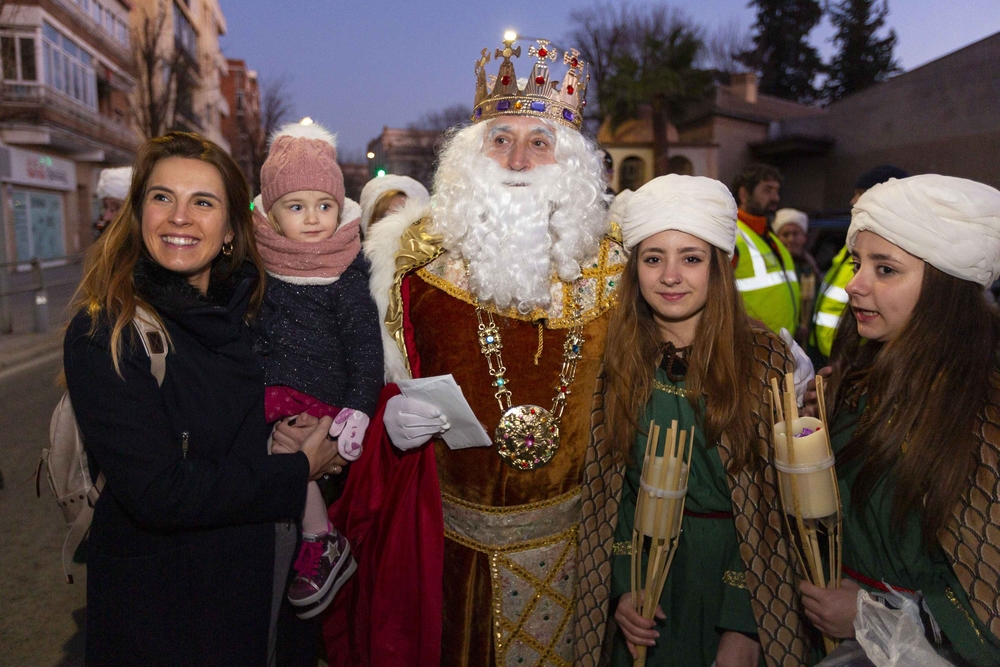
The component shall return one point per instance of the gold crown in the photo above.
(539, 97)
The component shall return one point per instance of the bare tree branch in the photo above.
(166, 74)
(447, 118)
(275, 109)
(723, 46)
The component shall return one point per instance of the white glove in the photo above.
(804, 371)
(410, 423)
(349, 428)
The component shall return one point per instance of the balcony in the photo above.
(37, 104)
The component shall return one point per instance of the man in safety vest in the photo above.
(765, 271)
(831, 300)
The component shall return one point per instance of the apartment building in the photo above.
(68, 76)
(242, 127)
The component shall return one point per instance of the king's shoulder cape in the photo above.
(401, 244)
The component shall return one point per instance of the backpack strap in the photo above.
(154, 340)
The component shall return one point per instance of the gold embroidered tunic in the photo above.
(510, 549)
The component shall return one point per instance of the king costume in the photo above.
(476, 550)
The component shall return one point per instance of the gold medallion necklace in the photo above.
(527, 436)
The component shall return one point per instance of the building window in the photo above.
(18, 56)
(240, 96)
(184, 35)
(68, 68)
(631, 174)
(38, 225)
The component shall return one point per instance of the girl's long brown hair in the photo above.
(719, 363)
(107, 289)
(926, 389)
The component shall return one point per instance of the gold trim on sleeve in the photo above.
(621, 549)
(950, 594)
(416, 248)
(735, 579)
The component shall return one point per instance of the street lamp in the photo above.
(371, 155)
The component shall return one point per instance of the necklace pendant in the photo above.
(527, 437)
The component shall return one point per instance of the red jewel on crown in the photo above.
(539, 80)
(570, 89)
(575, 63)
(505, 80)
(542, 52)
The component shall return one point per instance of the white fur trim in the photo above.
(314, 131)
(380, 247)
(304, 280)
(350, 212)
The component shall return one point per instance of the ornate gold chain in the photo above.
(527, 436)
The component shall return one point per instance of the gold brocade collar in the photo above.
(594, 290)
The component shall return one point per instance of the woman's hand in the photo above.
(737, 650)
(288, 434)
(811, 400)
(832, 610)
(638, 631)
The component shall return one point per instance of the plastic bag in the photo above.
(894, 638)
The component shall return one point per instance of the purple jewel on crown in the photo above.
(538, 96)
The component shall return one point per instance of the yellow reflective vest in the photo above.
(767, 280)
(831, 302)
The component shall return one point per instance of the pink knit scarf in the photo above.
(323, 259)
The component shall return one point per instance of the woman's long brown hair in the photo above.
(107, 289)
(719, 364)
(926, 389)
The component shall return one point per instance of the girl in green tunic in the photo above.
(914, 399)
(678, 335)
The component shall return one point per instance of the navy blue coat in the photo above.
(181, 550)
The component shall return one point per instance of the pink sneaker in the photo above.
(323, 565)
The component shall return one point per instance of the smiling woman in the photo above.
(185, 219)
(682, 349)
(181, 550)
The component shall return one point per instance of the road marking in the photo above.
(31, 363)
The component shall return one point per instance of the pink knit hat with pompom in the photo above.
(302, 157)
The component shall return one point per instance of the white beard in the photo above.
(515, 229)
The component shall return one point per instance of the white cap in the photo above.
(378, 186)
(699, 206)
(951, 223)
(114, 183)
(617, 210)
(790, 215)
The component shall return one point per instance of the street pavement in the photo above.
(41, 616)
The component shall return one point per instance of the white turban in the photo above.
(951, 223)
(113, 183)
(785, 216)
(378, 186)
(696, 205)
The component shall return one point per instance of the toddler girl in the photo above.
(317, 331)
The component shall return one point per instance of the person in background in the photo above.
(765, 271)
(112, 189)
(180, 556)
(609, 169)
(914, 402)
(792, 228)
(831, 299)
(388, 194)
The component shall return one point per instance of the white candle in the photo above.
(817, 491)
(651, 477)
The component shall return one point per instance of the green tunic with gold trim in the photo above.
(880, 550)
(704, 594)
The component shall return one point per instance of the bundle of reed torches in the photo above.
(659, 510)
(807, 482)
